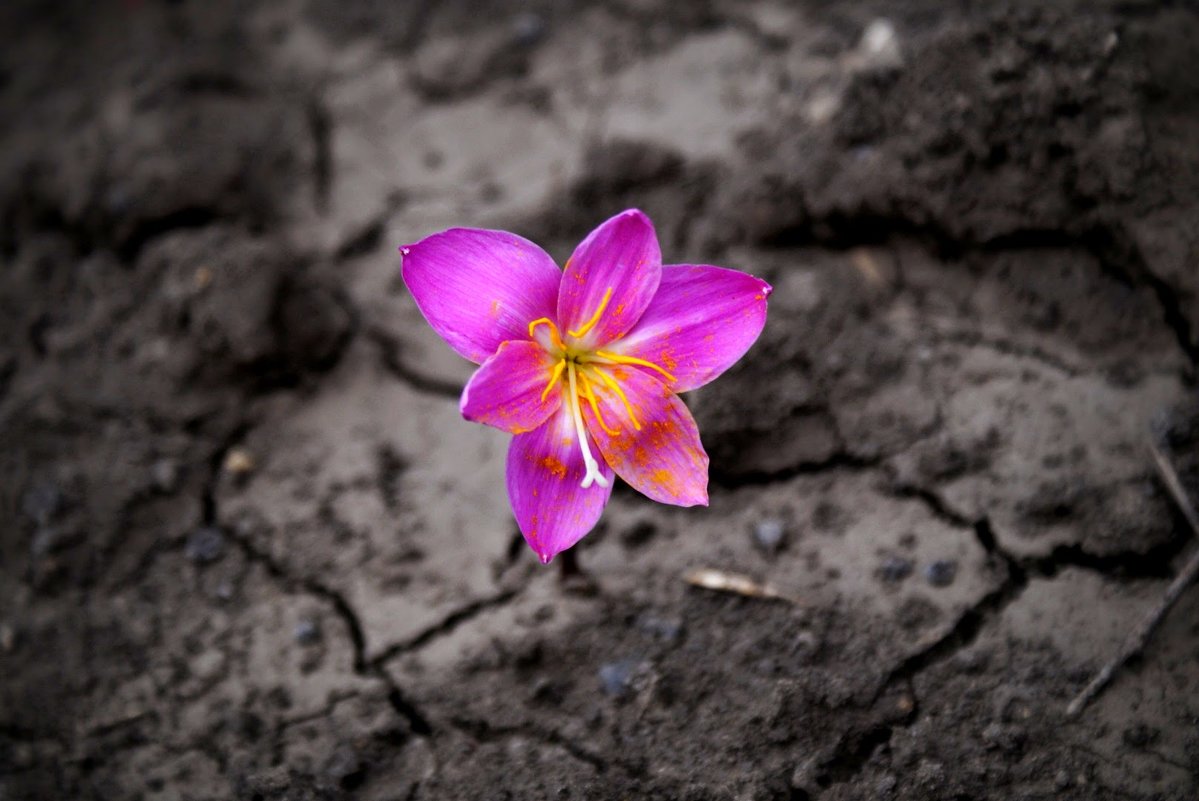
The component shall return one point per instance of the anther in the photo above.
(611, 382)
(594, 405)
(595, 317)
(617, 358)
(554, 376)
(555, 337)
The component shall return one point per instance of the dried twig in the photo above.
(1140, 636)
(736, 583)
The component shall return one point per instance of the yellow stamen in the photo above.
(616, 358)
(607, 379)
(554, 335)
(554, 376)
(594, 406)
(595, 317)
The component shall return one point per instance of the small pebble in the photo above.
(202, 278)
(769, 535)
(616, 677)
(42, 502)
(1140, 735)
(528, 28)
(165, 475)
(345, 767)
(45, 541)
(1061, 780)
(895, 569)
(661, 628)
(941, 573)
(239, 461)
(806, 643)
(880, 45)
(307, 632)
(205, 545)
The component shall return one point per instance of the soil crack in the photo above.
(444, 627)
(1113, 249)
(320, 127)
(392, 355)
(483, 731)
(840, 460)
(418, 722)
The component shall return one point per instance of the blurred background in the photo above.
(250, 550)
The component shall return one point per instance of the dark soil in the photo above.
(250, 550)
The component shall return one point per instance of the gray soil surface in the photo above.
(250, 550)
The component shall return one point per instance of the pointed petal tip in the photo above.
(478, 287)
(545, 558)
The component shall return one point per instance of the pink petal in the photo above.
(545, 473)
(702, 321)
(620, 256)
(506, 391)
(479, 288)
(664, 460)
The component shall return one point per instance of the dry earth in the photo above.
(251, 551)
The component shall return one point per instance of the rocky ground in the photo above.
(251, 551)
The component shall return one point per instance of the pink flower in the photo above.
(582, 364)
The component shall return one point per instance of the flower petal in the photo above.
(614, 271)
(545, 473)
(664, 460)
(702, 321)
(478, 288)
(506, 392)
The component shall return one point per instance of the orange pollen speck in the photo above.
(554, 466)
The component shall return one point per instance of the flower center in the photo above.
(585, 369)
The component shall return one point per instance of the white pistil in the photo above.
(593, 471)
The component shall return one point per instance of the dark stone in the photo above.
(346, 768)
(895, 569)
(528, 29)
(41, 502)
(1140, 736)
(770, 535)
(616, 678)
(307, 632)
(165, 474)
(661, 628)
(45, 541)
(941, 573)
(205, 545)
